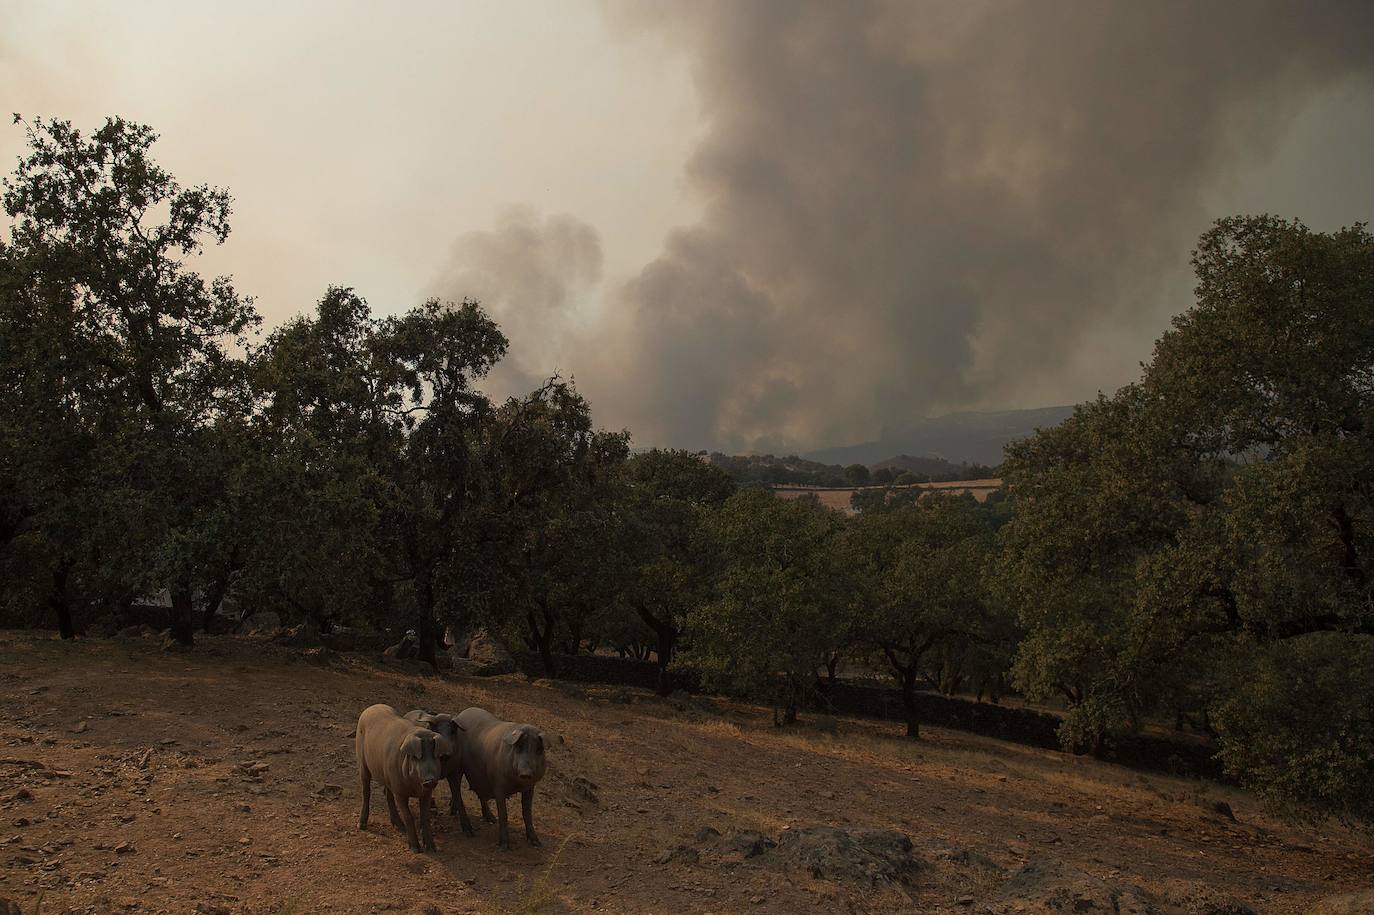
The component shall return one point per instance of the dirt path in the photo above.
(222, 780)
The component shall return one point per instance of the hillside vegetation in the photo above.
(1193, 550)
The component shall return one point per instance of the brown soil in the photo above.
(223, 780)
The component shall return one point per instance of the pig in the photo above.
(500, 758)
(449, 727)
(409, 760)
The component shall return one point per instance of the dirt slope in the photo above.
(222, 780)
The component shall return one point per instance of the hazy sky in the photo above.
(772, 225)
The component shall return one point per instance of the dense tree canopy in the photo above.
(1184, 541)
(120, 363)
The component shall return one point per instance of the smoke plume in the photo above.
(912, 207)
(530, 275)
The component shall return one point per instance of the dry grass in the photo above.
(661, 775)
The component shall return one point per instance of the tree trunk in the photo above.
(122, 608)
(543, 639)
(913, 720)
(667, 638)
(789, 715)
(831, 663)
(61, 608)
(213, 598)
(183, 617)
(427, 631)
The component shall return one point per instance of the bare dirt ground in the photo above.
(223, 781)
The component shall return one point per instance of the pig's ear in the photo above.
(413, 746)
(513, 736)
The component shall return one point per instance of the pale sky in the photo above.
(360, 139)
(771, 225)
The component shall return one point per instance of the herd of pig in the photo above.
(410, 754)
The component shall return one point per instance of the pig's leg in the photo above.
(412, 838)
(455, 785)
(426, 830)
(365, 781)
(502, 833)
(527, 809)
(391, 807)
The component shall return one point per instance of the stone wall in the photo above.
(872, 699)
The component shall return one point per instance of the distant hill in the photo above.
(959, 438)
(767, 469)
(933, 467)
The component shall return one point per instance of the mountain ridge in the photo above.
(960, 438)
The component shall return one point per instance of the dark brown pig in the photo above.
(500, 758)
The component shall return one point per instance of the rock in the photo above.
(101, 629)
(412, 666)
(322, 655)
(141, 631)
(1216, 808)
(749, 844)
(489, 655)
(683, 854)
(302, 635)
(707, 833)
(1361, 903)
(870, 856)
(964, 857)
(1224, 809)
(264, 624)
(23, 794)
(82, 727)
(680, 699)
(1055, 886)
(209, 908)
(586, 790)
(329, 791)
(124, 848)
(463, 667)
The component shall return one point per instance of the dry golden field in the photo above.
(222, 781)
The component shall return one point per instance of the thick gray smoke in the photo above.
(531, 275)
(915, 207)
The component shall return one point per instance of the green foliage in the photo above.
(779, 609)
(666, 507)
(1217, 515)
(856, 475)
(1297, 723)
(766, 469)
(553, 481)
(120, 363)
(917, 572)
